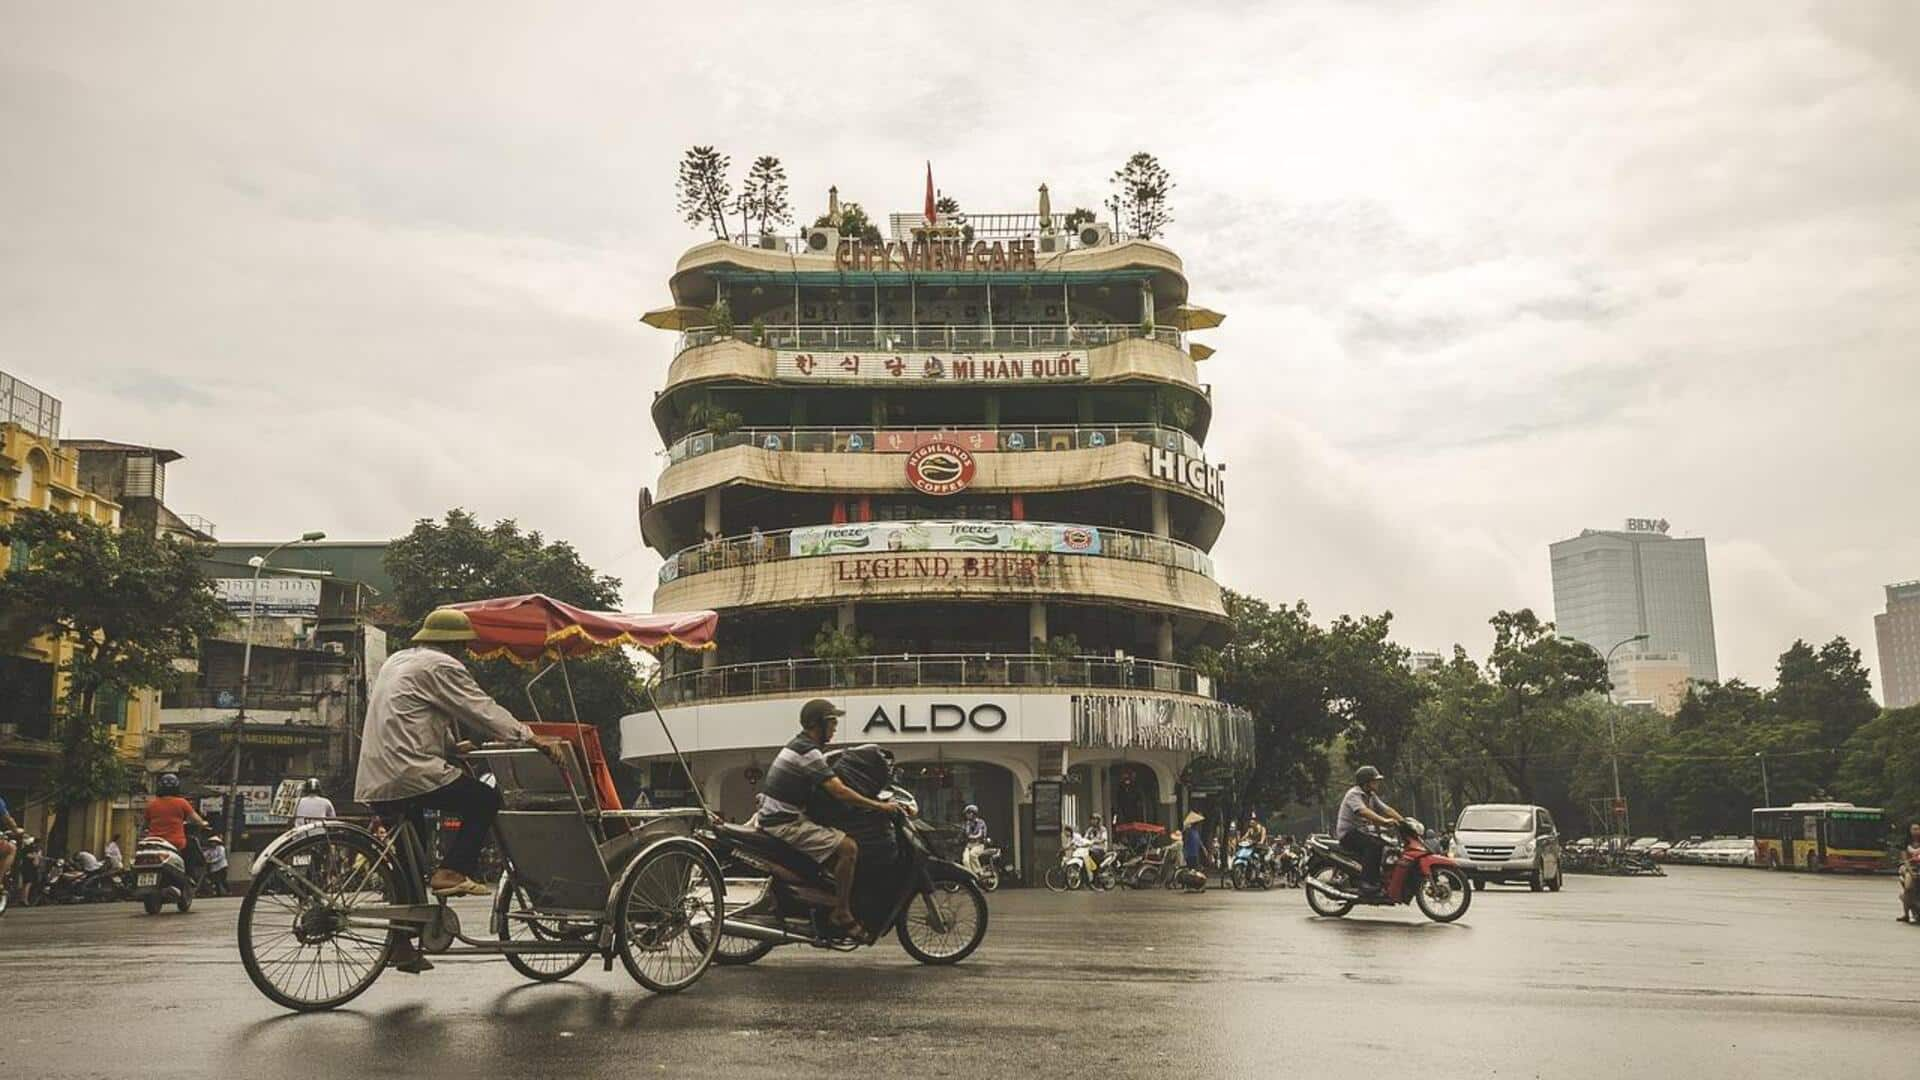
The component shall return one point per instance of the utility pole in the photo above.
(1766, 789)
(235, 822)
(1613, 735)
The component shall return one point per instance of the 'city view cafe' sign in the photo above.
(922, 255)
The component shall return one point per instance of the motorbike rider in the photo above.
(972, 826)
(1362, 803)
(312, 806)
(1909, 867)
(799, 768)
(167, 818)
(8, 851)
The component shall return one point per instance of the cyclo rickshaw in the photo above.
(331, 900)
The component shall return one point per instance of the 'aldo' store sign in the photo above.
(937, 718)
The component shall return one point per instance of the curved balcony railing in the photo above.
(1018, 337)
(915, 537)
(945, 670)
(1015, 439)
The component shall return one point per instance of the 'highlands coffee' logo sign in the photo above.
(940, 468)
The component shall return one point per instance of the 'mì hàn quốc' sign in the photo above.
(978, 257)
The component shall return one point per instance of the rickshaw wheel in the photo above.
(301, 954)
(670, 896)
(509, 898)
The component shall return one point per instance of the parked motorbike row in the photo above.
(157, 877)
(1100, 867)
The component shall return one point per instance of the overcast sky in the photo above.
(1491, 275)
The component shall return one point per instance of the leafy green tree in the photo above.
(1272, 666)
(853, 223)
(127, 602)
(1374, 692)
(458, 559)
(703, 188)
(1828, 690)
(1537, 673)
(1881, 766)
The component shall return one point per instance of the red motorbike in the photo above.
(1412, 873)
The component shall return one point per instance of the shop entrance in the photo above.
(945, 789)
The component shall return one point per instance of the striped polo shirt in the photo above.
(800, 767)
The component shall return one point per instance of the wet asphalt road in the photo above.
(1705, 973)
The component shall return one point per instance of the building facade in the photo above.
(1611, 585)
(1897, 632)
(38, 470)
(955, 480)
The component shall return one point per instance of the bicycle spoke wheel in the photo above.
(517, 924)
(674, 890)
(298, 940)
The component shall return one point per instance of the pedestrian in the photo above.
(1193, 847)
(116, 860)
(216, 852)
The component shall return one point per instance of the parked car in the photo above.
(1659, 850)
(1508, 842)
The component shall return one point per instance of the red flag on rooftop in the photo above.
(930, 209)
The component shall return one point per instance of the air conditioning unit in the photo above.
(823, 240)
(1094, 234)
(1052, 243)
(334, 647)
(770, 242)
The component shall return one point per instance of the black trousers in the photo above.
(1367, 848)
(474, 803)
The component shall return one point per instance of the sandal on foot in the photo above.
(464, 887)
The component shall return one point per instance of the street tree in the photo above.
(127, 603)
(1139, 202)
(852, 223)
(459, 559)
(1828, 689)
(1273, 665)
(1881, 766)
(704, 191)
(1536, 672)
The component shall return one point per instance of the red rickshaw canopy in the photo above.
(1140, 827)
(528, 629)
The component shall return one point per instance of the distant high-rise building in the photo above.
(1898, 632)
(1611, 585)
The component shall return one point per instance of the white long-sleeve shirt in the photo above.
(419, 701)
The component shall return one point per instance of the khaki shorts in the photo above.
(817, 842)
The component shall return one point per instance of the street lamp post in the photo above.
(1613, 736)
(234, 821)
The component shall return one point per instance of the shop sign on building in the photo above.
(1023, 568)
(925, 367)
(912, 536)
(940, 468)
(903, 717)
(283, 597)
(1647, 525)
(1190, 472)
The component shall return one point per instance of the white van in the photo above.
(1508, 842)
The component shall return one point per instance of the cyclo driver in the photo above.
(1362, 801)
(799, 768)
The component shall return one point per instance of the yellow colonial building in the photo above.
(38, 471)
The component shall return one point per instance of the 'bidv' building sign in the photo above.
(972, 507)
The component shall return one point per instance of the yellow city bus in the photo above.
(1820, 836)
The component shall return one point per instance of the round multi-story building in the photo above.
(954, 480)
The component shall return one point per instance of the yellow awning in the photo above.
(1192, 318)
(1199, 351)
(675, 318)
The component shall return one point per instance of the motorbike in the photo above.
(1411, 872)
(1249, 868)
(25, 874)
(160, 876)
(1077, 868)
(68, 881)
(1289, 866)
(1910, 888)
(1156, 866)
(982, 859)
(934, 905)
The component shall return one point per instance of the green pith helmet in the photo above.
(445, 624)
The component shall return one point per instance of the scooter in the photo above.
(936, 908)
(160, 876)
(982, 859)
(1411, 872)
(1249, 869)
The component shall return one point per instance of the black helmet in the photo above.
(1367, 774)
(168, 784)
(311, 787)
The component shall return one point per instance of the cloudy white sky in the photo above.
(1492, 273)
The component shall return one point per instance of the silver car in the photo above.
(1508, 842)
